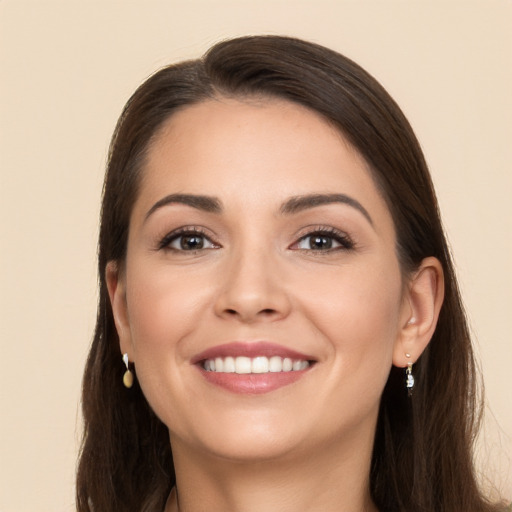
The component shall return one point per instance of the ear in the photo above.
(421, 305)
(116, 285)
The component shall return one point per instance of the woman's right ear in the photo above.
(116, 286)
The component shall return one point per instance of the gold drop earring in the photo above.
(128, 375)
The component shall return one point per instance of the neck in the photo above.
(335, 479)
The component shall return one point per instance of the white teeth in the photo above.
(287, 364)
(295, 367)
(260, 364)
(229, 365)
(243, 365)
(275, 364)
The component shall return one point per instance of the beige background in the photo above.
(66, 69)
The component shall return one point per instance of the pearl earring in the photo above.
(128, 375)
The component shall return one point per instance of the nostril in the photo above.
(262, 312)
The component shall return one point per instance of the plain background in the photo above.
(67, 68)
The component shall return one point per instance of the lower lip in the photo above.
(252, 383)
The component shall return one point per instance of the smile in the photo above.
(252, 368)
(254, 365)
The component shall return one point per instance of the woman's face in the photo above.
(259, 241)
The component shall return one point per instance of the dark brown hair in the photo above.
(422, 457)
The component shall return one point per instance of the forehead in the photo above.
(249, 150)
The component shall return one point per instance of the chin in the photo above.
(252, 449)
(241, 435)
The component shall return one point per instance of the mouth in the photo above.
(252, 368)
(243, 365)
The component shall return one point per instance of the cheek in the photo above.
(359, 316)
(163, 308)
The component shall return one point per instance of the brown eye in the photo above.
(317, 242)
(323, 241)
(187, 241)
(191, 242)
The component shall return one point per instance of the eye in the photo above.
(323, 241)
(187, 240)
(317, 242)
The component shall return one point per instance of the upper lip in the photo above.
(249, 349)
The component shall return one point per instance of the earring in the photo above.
(128, 375)
(409, 377)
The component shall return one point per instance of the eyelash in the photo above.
(166, 241)
(344, 241)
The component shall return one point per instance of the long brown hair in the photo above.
(422, 457)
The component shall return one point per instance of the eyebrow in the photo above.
(301, 203)
(204, 203)
(293, 205)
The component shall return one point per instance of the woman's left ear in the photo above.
(420, 311)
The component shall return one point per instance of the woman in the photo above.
(276, 288)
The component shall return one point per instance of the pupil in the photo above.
(191, 242)
(321, 242)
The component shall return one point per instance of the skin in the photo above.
(305, 446)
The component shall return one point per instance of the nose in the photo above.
(253, 289)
